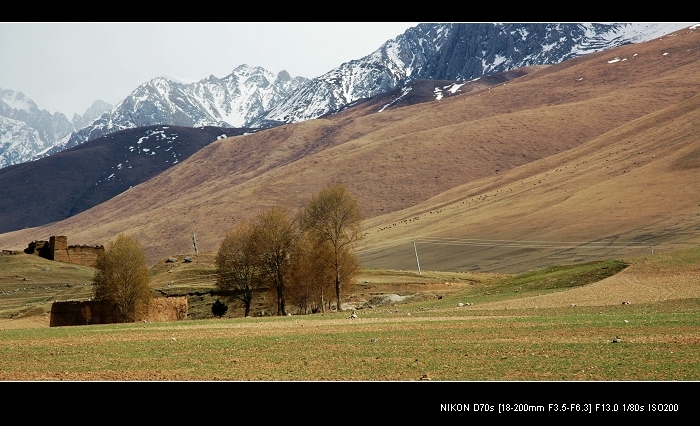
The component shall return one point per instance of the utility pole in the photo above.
(652, 249)
(194, 243)
(416, 250)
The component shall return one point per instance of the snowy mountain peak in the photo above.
(458, 52)
(16, 100)
(283, 76)
(174, 79)
(25, 129)
(231, 101)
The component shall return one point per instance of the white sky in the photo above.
(65, 67)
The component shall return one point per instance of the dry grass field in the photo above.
(640, 324)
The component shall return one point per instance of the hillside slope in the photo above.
(69, 182)
(629, 104)
(619, 194)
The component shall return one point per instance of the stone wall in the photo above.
(40, 248)
(58, 246)
(161, 309)
(164, 309)
(83, 255)
(57, 249)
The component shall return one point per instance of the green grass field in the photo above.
(657, 342)
(424, 338)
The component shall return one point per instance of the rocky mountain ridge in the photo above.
(458, 52)
(232, 101)
(27, 131)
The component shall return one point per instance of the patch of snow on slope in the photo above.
(18, 101)
(453, 88)
(392, 52)
(548, 47)
(498, 60)
(404, 92)
(636, 32)
(639, 31)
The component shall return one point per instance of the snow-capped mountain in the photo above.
(255, 97)
(232, 101)
(26, 130)
(456, 52)
(95, 110)
(18, 142)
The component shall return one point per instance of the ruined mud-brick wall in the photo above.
(83, 255)
(77, 255)
(80, 313)
(58, 246)
(40, 248)
(9, 252)
(161, 309)
(57, 249)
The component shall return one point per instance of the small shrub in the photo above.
(219, 308)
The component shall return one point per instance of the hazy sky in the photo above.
(65, 67)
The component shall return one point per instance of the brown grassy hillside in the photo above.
(616, 195)
(600, 147)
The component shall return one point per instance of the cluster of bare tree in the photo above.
(307, 258)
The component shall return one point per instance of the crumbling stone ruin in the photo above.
(57, 248)
(9, 252)
(161, 309)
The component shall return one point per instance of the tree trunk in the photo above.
(247, 298)
(337, 291)
(323, 308)
(281, 311)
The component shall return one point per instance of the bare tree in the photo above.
(122, 278)
(237, 263)
(335, 216)
(310, 281)
(275, 237)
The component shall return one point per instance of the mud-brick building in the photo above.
(57, 248)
